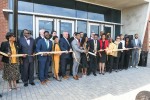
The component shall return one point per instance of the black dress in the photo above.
(85, 58)
(103, 54)
(127, 55)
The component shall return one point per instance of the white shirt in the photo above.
(27, 40)
(123, 43)
(47, 42)
(136, 41)
(95, 45)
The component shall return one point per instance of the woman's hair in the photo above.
(83, 40)
(9, 34)
(55, 37)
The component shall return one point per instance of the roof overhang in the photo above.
(116, 4)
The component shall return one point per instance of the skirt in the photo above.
(103, 57)
(11, 72)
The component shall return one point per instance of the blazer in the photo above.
(118, 46)
(5, 47)
(134, 45)
(76, 49)
(101, 44)
(64, 46)
(27, 49)
(42, 47)
(91, 45)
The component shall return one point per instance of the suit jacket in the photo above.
(76, 49)
(5, 47)
(64, 46)
(27, 49)
(134, 44)
(37, 39)
(42, 47)
(91, 44)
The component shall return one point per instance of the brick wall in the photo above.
(146, 37)
(3, 22)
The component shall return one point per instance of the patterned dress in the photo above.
(11, 70)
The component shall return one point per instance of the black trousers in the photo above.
(116, 61)
(93, 64)
(63, 65)
(126, 60)
(110, 63)
(71, 64)
(121, 60)
(28, 71)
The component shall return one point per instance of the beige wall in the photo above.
(134, 20)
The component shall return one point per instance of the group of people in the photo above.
(79, 52)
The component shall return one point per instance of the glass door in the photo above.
(94, 27)
(109, 29)
(44, 23)
(65, 26)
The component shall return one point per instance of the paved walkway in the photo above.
(123, 85)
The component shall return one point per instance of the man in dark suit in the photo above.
(27, 46)
(41, 36)
(94, 47)
(64, 46)
(44, 45)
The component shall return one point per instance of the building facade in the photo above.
(113, 16)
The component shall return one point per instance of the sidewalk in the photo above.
(123, 85)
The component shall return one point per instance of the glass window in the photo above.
(96, 16)
(117, 30)
(81, 10)
(47, 25)
(10, 4)
(82, 26)
(66, 27)
(54, 10)
(96, 12)
(25, 6)
(95, 29)
(24, 22)
(56, 7)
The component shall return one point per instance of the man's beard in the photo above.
(47, 38)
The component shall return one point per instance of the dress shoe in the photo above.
(17, 81)
(65, 77)
(94, 74)
(75, 78)
(32, 83)
(26, 84)
(47, 80)
(43, 83)
(78, 76)
(88, 74)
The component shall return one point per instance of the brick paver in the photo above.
(87, 88)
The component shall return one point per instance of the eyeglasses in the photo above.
(118, 38)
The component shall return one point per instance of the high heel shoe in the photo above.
(58, 80)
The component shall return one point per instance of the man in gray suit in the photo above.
(76, 55)
(136, 44)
